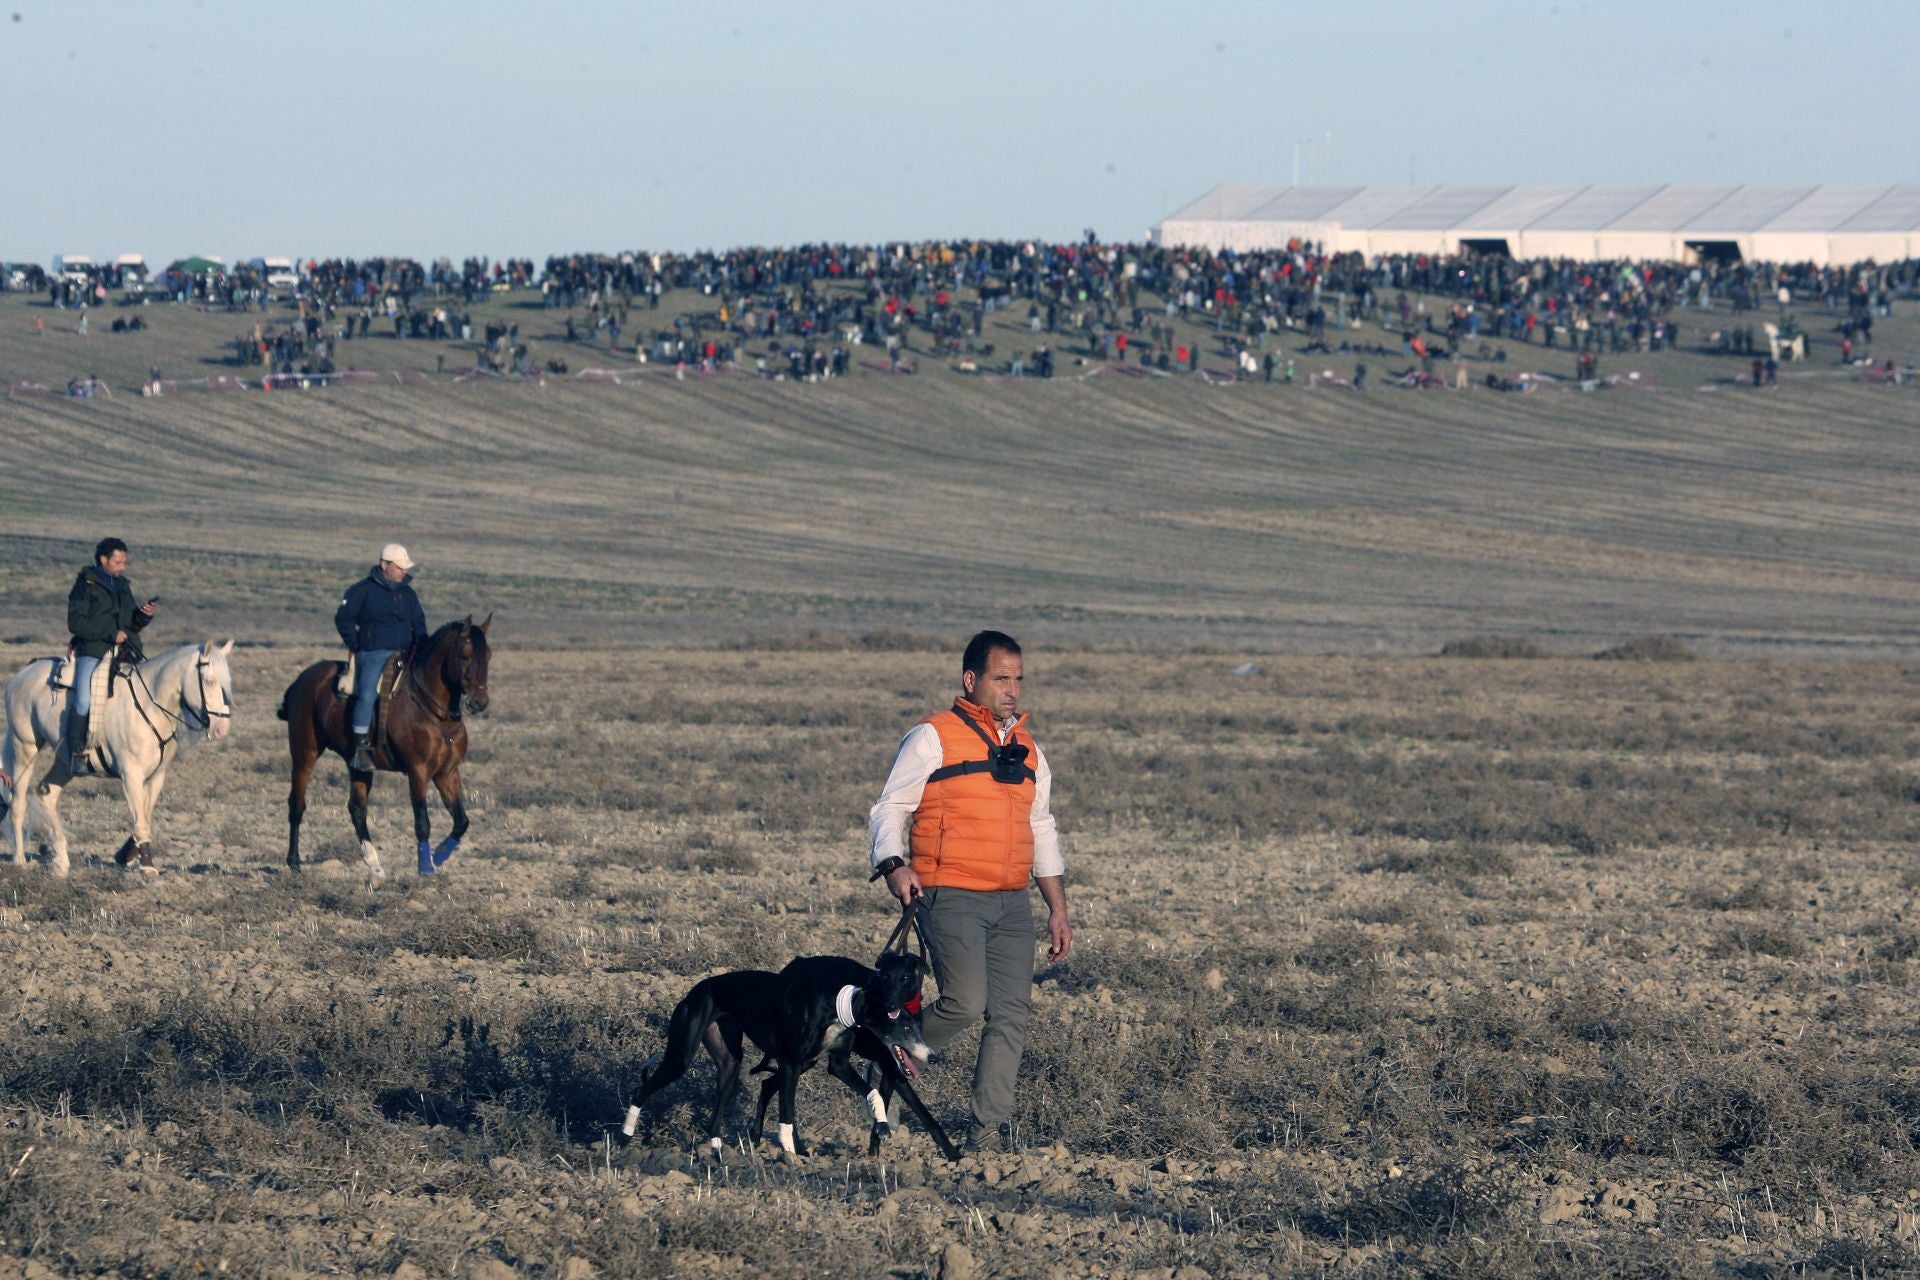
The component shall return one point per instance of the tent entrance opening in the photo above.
(1713, 250)
(1498, 246)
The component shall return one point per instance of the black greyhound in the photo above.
(896, 1070)
(816, 1005)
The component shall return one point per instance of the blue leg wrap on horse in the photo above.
(446, 850)
(426, 858)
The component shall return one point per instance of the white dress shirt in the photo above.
(920, 754)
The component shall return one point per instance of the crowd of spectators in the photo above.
(805, 310)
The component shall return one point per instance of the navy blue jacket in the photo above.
(377, 614)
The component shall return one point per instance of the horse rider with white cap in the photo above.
(378, 615)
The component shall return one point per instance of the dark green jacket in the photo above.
(99, 605)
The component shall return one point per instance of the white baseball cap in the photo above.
(396, 553)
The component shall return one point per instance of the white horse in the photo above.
(183, 694)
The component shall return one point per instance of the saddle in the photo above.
(390, 677)
(106, 677)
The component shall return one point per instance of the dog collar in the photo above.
(843, 1006)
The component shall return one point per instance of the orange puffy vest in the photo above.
(973, 830)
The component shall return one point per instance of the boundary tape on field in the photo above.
(1525, 382)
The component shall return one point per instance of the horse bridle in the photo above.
(459, 686)
(206, 715)
(456, 687)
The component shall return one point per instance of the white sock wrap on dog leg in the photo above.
(633, 1121)
(843, 1006)
(786, 1139)
(715, 1143)
(879, 1106)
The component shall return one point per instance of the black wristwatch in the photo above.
(886, 868)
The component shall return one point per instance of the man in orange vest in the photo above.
(963, 827)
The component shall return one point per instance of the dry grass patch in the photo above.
(1494, 647)
(1649, 649)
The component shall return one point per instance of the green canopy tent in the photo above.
(195, 265)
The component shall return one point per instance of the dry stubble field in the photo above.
(1387, 964)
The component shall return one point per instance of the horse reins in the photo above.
(206, 715)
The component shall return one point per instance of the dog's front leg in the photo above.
(900, 1086)
(789, 1085)
(768, 1087)
(842, 1070)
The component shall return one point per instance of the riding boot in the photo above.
(77, 743)
(360, 759)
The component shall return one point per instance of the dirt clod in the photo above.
(956, 1262)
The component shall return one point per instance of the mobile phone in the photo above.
(153, 599)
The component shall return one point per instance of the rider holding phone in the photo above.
(101, 615)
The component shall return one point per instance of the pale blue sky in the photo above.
(425, 127)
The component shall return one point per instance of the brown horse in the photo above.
(424, 737)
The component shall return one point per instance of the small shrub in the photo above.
(461, 936)
(1493, 647)
(1336, 950)
(1754, 895)
(1758, 940)
(1648, 649)
(1897, 944)
(1429, 1209)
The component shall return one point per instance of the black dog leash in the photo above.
(898, 940)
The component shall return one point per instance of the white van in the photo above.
(280, 273)
(73, 266)
(133, 270)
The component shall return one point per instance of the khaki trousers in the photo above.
(982, 951)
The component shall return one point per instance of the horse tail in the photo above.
(8, 764)
(293, 690)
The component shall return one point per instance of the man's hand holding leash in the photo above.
(903, 884)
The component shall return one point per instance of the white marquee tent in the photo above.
(1829, 224)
